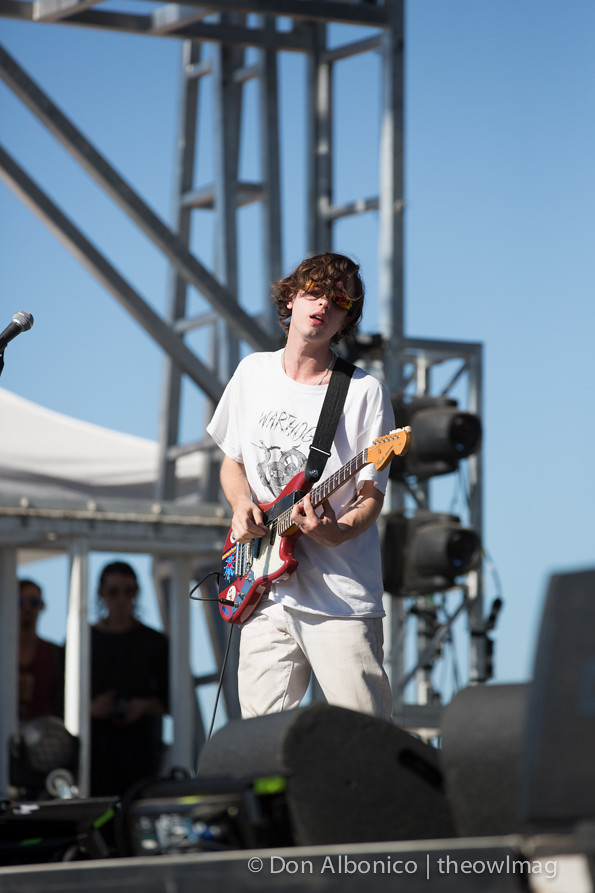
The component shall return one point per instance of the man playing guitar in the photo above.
(326, 617)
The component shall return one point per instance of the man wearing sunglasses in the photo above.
(326, 618)
(41, 663)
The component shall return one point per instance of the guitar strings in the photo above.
(317, 492)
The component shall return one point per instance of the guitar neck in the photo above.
(326, 488)
(322, 491)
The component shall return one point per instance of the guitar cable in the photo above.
(199, 598)
(220, 683)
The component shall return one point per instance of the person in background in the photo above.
(129, 687)
(41, 663)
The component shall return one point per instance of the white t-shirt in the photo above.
(267, 421)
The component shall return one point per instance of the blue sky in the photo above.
(499, 223)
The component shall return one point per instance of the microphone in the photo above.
(21, 322)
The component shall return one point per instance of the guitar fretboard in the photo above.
(322, 491)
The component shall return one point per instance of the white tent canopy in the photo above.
(44, 454)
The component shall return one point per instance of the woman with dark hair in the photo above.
(129, 687)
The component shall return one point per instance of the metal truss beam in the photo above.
(181, 20)
(138, 210)
(102, 269)
(348, 13)
(168, 21)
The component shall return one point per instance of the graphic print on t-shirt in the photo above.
(278, 464)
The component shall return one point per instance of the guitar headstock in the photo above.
(384, 449)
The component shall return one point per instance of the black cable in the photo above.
(227, 649)
(199, 598)
(220, 683)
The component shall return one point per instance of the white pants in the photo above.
(279, 647)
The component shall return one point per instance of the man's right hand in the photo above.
(247, 522)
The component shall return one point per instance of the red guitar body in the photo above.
(249, 569)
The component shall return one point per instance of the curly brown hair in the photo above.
(326, 269)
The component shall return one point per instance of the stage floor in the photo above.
(546, 864)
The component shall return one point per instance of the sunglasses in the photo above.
(114, 591)
(336, 295)
(33, 602)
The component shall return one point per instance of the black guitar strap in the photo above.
(330, 413)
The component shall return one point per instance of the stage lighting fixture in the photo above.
(441, 436)
(48, 744)
(41, 747)
(427, 553)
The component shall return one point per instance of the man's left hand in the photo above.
(323, 528)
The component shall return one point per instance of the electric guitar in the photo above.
(249, 569)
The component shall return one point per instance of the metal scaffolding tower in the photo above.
(229, 48)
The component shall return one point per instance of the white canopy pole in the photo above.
(77, 689)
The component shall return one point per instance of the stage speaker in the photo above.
(482, 742)
(348, 777)
(558, 768)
